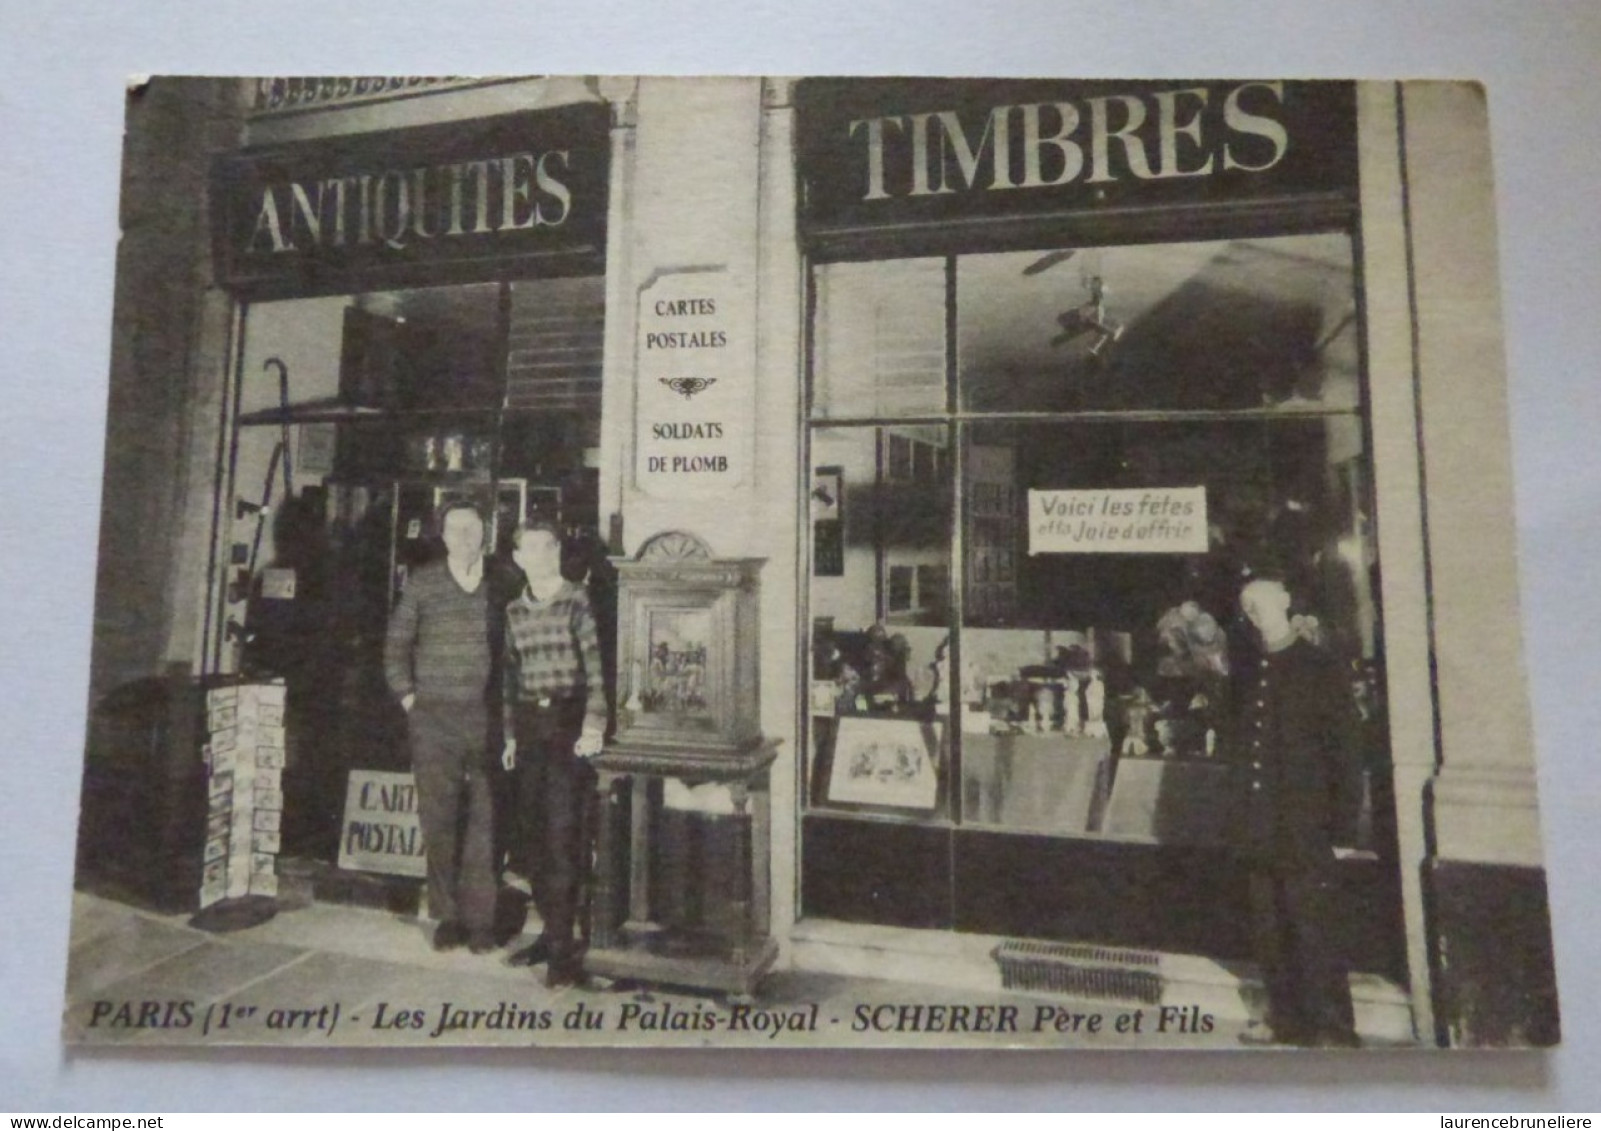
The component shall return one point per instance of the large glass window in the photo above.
(879, 339)
(1264, 325)
(1038, 481)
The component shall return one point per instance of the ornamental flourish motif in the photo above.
(687, 387)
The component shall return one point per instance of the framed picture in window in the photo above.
(900, 589)
(893, 762)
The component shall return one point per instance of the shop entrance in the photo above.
(1039, 480)
(361, 415)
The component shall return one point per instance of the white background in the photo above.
(60, 124)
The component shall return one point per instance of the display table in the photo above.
(1173, 801)
(1036, 782)
(628, 939)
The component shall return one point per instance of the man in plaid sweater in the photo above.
(555, 715)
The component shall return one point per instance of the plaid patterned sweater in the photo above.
(553, 651)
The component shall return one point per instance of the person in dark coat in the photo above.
(1301, 781)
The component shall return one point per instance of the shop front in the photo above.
(420, 316)
(1002, 390)
(1082, 359)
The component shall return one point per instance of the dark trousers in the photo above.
(1293, 917)
(448, 744)
(554, 789)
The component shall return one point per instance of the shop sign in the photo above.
(1137, 520)
(484, 198)
(381, 831)
(877, 153)
(695, 411)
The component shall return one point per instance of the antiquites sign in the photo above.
(517, 193)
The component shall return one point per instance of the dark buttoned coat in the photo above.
(1297, 765)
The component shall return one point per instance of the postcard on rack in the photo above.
(808, 562)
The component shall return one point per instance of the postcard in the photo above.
(808, 562)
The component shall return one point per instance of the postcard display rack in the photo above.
(687, 691)
(244, 804)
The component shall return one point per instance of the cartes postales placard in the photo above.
(809, 563)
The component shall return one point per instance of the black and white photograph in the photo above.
(808, 562)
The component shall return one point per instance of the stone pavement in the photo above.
(329, 974)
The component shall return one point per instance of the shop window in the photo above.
(1098, 688)
(879, 339)
(1077, 681)
(879, 673)
(555, 334)
(1266, 324)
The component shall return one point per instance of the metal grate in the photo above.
(556, 338)
(1080, 971)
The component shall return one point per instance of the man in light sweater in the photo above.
(437, 663)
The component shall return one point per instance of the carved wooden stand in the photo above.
(626, 941)
(688, 684)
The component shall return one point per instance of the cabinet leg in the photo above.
(740, 951)
(603, 930)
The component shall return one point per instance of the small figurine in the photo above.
(1095, 706)
(1137, 714)
(1196, 647)
(1044, 707)
(1072, 710)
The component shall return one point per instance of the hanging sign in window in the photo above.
(1136, 520)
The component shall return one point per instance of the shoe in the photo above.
(1258, 1037)
(449, 935)
(563, 972)
(481, 942)
(532, 955)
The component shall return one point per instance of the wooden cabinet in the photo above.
(688, 689)
(636, 933)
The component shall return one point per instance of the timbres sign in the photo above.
(902, 153)
(515, 194)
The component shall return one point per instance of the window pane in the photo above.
(880, 339)
(1247, 324)
(880, 600)
(1098, 684)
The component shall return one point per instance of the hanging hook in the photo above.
(283, 410)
